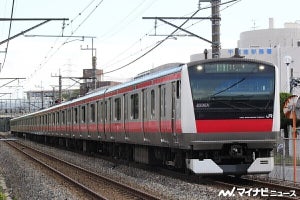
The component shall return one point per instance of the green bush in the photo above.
(2, 196)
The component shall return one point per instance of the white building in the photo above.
(273, 45)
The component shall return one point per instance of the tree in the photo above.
(284, 122)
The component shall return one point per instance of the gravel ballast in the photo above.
(28, 181)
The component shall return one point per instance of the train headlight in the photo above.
(261, 68)
(199, 68)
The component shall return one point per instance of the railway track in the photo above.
(246, 187)
(239, 187)
(92, 184)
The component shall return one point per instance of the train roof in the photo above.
(239, 59)
(145, 76)
(152, 74)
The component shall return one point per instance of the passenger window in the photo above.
(69, 116)
(152, 103)
(57, 118)
(63, 120)
(83, 114)
(92, 112)
(134, 106)
(163, 101)
(75, 115)
(178, 85)
(118, 109)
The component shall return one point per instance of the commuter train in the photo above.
(214, 116)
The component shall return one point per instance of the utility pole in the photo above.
(94, 62)
(215, 20)
(215, 27)
(59, 87)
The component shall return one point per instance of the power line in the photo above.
(122, 24)
(9, 31)
(48, 57)
(157, 45)
(170, 35)
(112, 62)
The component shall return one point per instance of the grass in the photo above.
(2, 195)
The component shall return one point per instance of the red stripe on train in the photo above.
(234, 125)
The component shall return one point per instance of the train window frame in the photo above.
(63, 117)
(145, 103)
(49, 119)
(152, 103)
(57, 115)
(92, 113)
(163, 100)
(125, 96)
(99, 111)
(83, 114)
(105, 110)
(117, 106)
(178, 89)
(69, 116)
(75, 113)
(134, 102)
(53, 119)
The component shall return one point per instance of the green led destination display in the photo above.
(230, 68)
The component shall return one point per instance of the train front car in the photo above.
(230, 116)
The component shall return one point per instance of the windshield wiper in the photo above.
(231, 86)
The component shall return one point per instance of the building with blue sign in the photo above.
(280, 46)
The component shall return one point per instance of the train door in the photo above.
(69, 121)
(175, 109)
(75, 132)
(99, 118)
(162, 111)
(107, 119)
(166, 112)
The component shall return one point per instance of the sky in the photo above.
(120, 36)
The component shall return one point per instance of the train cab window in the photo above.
(134, 106)
(152, 103)
(92, 112)
(75, 115)
(83, 111)
(117, 109)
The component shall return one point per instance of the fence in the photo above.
(284, 169)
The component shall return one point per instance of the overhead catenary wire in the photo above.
(157, 45)
(9, 32)
(167, 37)
(53, 51)
(124, 22)
(115, 60)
